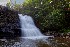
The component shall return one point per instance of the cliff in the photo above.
(9, 22)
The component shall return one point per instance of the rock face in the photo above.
(9, 22)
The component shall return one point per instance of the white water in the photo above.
(28, 28)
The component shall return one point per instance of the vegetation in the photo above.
(50, 15)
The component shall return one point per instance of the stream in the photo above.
(25, 42)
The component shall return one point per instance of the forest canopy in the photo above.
(52, 15)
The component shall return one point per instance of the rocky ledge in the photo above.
(9, 22)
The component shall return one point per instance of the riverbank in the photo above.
(61, 42)
(55, 34)
(20, 42)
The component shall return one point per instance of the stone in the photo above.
(9, 21)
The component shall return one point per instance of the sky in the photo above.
(19, 1)
(4, 2)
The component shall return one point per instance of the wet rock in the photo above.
(9, 21)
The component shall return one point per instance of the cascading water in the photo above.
(28, 27)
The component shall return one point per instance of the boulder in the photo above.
(9, 22)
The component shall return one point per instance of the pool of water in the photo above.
(26, 42)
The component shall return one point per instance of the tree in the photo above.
(8, 5)
(48, 14)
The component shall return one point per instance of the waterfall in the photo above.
(28, 27)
